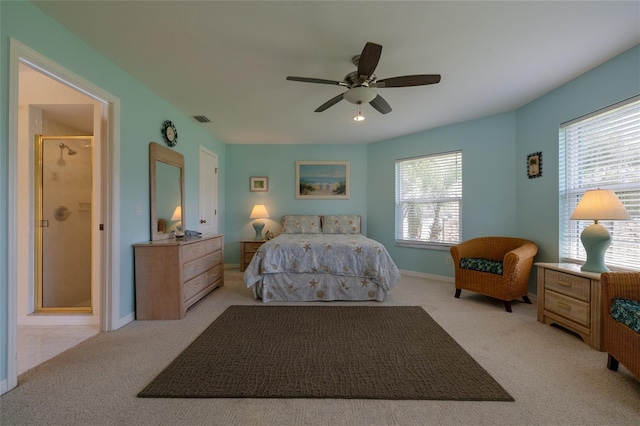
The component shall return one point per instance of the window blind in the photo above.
(428, 199)
(602, 150)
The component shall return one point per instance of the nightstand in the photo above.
(570, 298)
(247, 249)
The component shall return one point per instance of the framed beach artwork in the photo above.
(322, 180)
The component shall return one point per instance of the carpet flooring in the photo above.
(354, 352)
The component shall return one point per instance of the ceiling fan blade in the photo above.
(331, 102)
(369, 60)
(408, 80)
(380, 104)
(315, 80)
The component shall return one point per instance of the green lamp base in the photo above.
(258, 225)
(595, 239)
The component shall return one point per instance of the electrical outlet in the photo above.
(448, 260)
(138, 210)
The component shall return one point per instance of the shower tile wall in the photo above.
(67, 243)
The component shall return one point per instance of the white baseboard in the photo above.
(43, 319)
(426, 276)
(124, 321)
(53, 319)
(3, 387)
(532, 297)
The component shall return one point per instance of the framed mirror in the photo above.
(166, 177)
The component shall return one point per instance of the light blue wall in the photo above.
(537, 126)
(277, 162)
(142, 115)
(498, 198)
(489, 189)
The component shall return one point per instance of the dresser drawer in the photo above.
(214, 244)
(214, 274)
(567, 284)
(248, 257)
(567, 307)
(199, 266)
(194, 286)
(202, 281)
(194, 250)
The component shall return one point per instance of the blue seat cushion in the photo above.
(482, 265)
(627, 312)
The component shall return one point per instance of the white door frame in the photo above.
(110, 156)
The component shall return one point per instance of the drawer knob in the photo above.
(564, 306)
(564, 283)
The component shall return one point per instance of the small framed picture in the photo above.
(258, 184)
(534, 165)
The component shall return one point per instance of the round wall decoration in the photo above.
(169, 133)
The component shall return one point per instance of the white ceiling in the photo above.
(228, 60)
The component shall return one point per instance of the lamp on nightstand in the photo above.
(598, 204)
(177, 217)
(259, 212)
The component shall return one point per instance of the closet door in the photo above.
(208, 220)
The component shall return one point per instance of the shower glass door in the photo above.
(63, 223)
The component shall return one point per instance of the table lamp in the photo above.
(177, 217)
(598, 204)
(259, 212)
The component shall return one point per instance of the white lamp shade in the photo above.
(177, 214)
(259, 211)
(600, 204)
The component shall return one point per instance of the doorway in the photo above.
(63, 240)
(56, 194)
(24, 121)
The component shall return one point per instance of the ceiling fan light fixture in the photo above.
(362, 84)
(358, 116)
(361, 94)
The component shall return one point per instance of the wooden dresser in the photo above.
(247, 249)
(172, 275)
(570, 298)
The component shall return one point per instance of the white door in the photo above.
(208, 192)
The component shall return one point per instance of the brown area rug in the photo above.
(357, 352)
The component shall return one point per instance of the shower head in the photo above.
(71, 151)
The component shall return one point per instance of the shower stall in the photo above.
(63, 194)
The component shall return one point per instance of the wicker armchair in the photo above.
(620, 341)
(494, 266)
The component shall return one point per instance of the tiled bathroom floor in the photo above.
(37, 343)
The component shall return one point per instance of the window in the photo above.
(429, 199)
(602, 150)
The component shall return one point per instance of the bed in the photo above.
(321, 258)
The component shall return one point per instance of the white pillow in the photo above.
(333, 224)
(301, 224)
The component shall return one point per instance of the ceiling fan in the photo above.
(362, 84)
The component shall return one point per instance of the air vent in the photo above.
(201, 119)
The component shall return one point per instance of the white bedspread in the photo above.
(322, 267)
